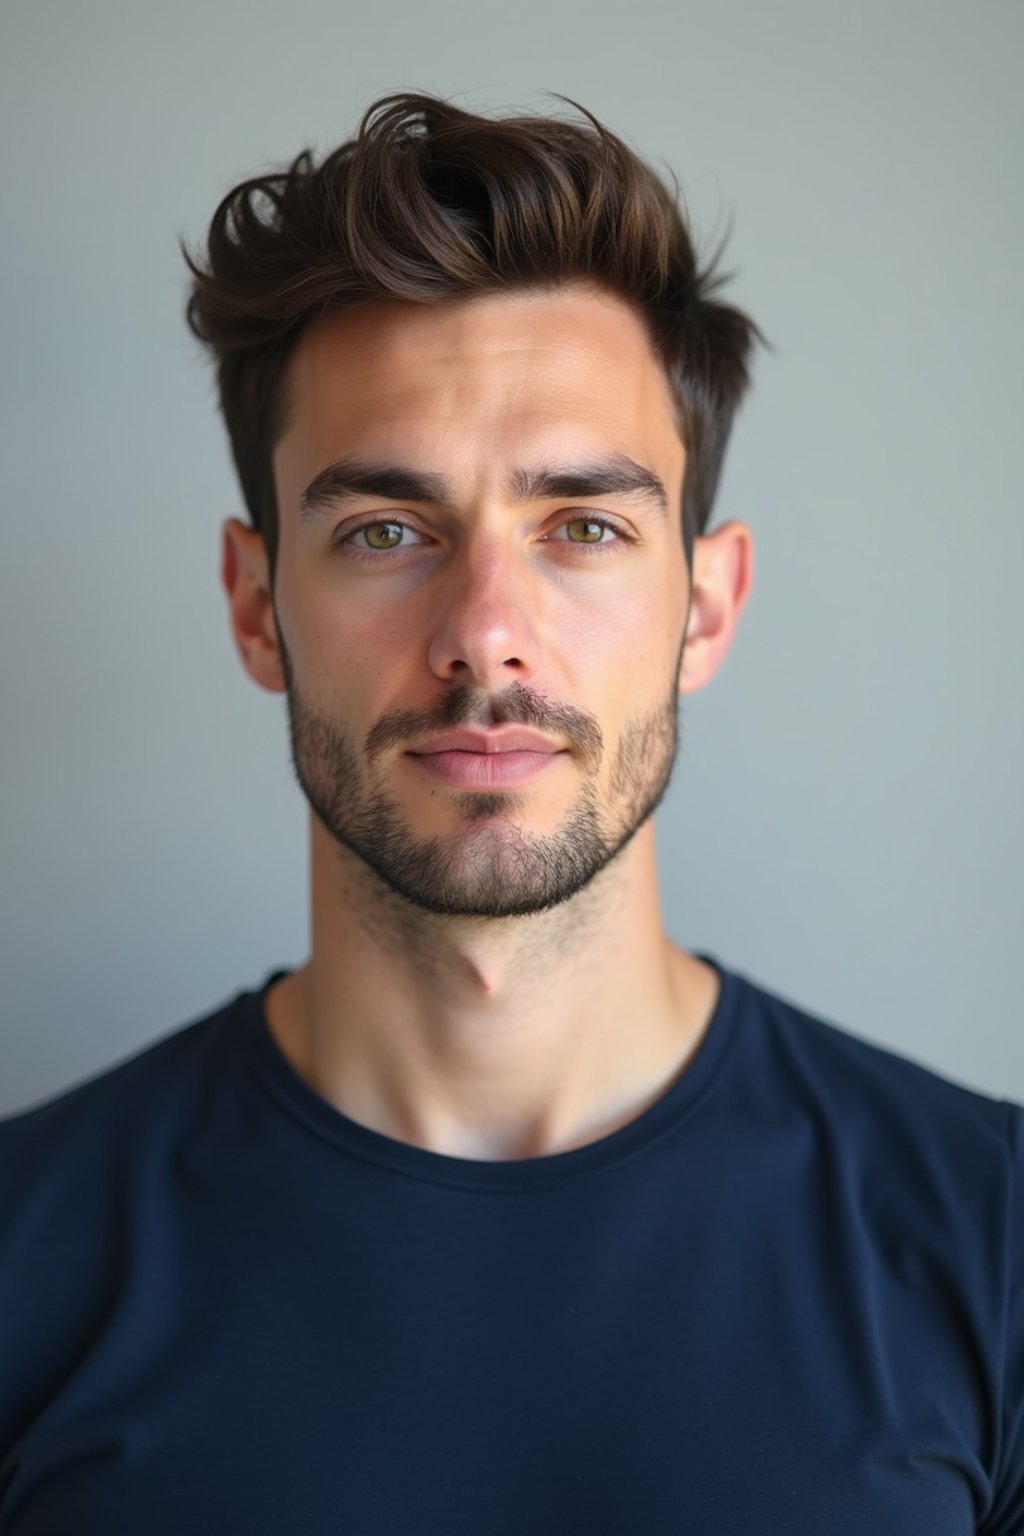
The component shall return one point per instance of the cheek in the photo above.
(631, 633)
(342, 653)
(617, 663)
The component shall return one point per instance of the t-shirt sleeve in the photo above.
(1007, 1512)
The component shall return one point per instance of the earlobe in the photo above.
(245, 576)
(723, 577)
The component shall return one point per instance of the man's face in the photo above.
(477, 601)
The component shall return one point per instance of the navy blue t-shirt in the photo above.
(785, 1300)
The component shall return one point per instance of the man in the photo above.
(502, 1213)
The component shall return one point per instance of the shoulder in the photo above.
(82, 1175)
(923, 1178)
(831, 1057)
(882, 1112)
(59, 1146)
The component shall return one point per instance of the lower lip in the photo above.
(485, 770)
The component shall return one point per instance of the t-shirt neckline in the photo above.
(330, 1125)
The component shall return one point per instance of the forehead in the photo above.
(476, 379)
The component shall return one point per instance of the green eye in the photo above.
(595, 525)
(392, 537)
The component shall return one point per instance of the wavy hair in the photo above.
(429, 202)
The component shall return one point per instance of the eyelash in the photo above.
(375, 555)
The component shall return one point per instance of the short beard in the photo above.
(487, 866)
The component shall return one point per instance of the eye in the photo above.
(594, 528)
(383, 535)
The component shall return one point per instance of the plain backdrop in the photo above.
(844, 824)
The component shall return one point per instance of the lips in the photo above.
(501, 739)
(499, 757)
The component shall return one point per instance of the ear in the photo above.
(245, 576)
(723, 577)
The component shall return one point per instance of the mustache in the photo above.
(464, 706)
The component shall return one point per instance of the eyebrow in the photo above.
(351, 477)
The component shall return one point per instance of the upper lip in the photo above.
(502, 739)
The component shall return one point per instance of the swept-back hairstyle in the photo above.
(431, 203)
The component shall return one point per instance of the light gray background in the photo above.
(844, 824)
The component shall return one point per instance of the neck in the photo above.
(491, 1039)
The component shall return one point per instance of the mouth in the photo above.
(485, 770)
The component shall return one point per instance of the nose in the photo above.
(486, 631)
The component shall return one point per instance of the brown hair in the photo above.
(429, 202)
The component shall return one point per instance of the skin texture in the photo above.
(488, 976)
